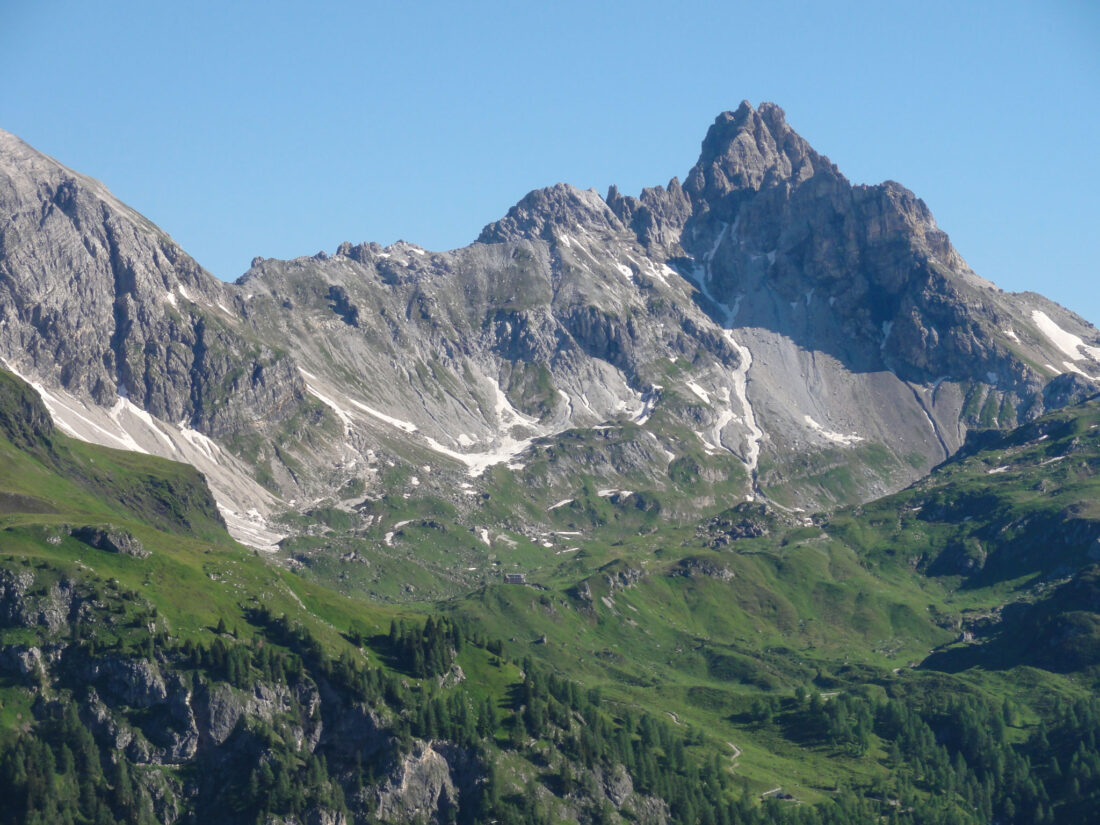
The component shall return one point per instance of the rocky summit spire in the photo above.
(750, 149)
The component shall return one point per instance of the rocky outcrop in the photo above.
(748, 520)
(692, 568)
(222, 706)
(137, 683)
(112, 539)
(616, 784)
(620, 576)
(420, 788)
(25, 602)
(657, 216)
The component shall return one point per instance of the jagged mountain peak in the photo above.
(751, 149)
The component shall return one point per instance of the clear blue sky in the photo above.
(280, 129)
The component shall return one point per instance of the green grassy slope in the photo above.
(809, 656)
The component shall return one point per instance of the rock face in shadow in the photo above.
(765, 320)
(860, 272)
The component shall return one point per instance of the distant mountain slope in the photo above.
(764, 330)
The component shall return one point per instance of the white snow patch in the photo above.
(1011, 333)
(478, 463)
(341, 413)
(404, 426)
(740, 384)
(170, 297)
(251, 529)
(1067, 342)
(699, 391)
(508, 415)
(414, 481)
(725, 416)
(731, 311)
(708, 448)
(649, 402)
(1074, 368)
(837, 438)
(388, 538)
(197, 439)
(637, 407)
(887, 328)
(561, 503)
(718, 241)
(564, 396)
(625, 271)
(124, 405)
(658, 274)
(996, 470)
(465, 440)
(483, 534)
